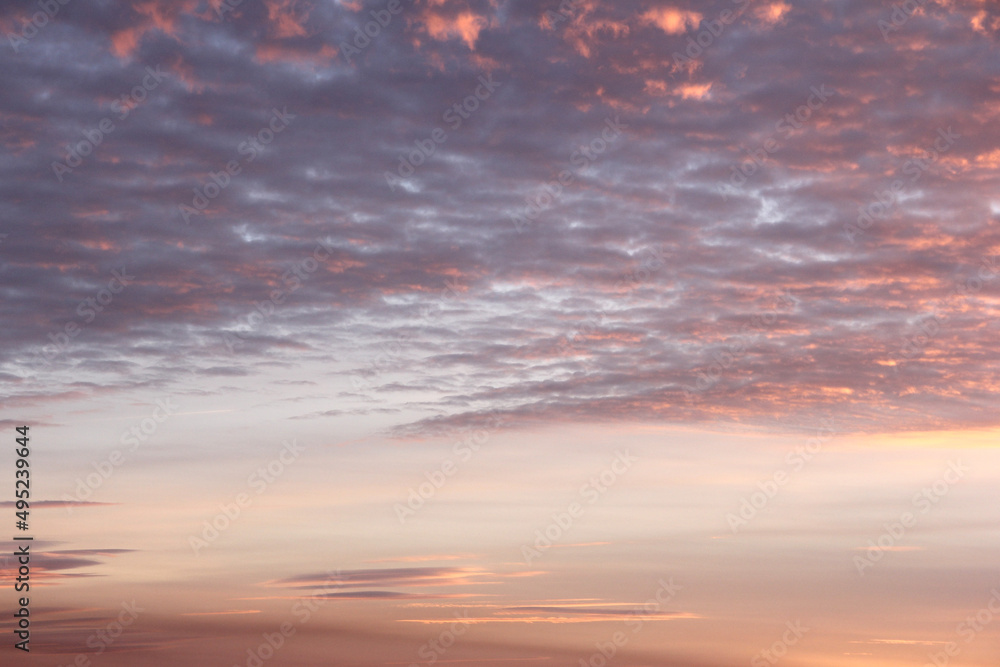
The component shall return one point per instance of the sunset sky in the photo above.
(497, 332)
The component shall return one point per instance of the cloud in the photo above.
(39, 504)
(397, 576)
(672, 20)
(642, 291)
(51, 565)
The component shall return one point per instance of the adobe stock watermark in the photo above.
(901, 13)
(302, 611)
(247, 151)
(582, 158)
(258, 482)
(92, 138)
(131, 439)
(917, 338)
(434, 649)
(880, 207)
(923, 501)
(796, 459)
(392, 353)
(792, 121)
(31, 26)
(652, 260)
(593, 324)
(710, 31)
(227, 7)
(606, 651)
(589, 493)
(104, 637)
(737, 349)
(293, 279)
(87, 310)
(463, 450)
(363, 35)
(779, 649)
(566, 11)
(273, 642)
(967, 630)
(455, 115)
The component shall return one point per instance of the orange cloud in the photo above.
(465, 25)
(157, 16)
(554, 617)
(694, 91)
(772, 14)
(282, 15)
(671, 20)
(125, 42)
(655, 87)
(271, 53)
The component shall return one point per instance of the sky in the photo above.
(467, 332)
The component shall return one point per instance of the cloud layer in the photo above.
(701, 211)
